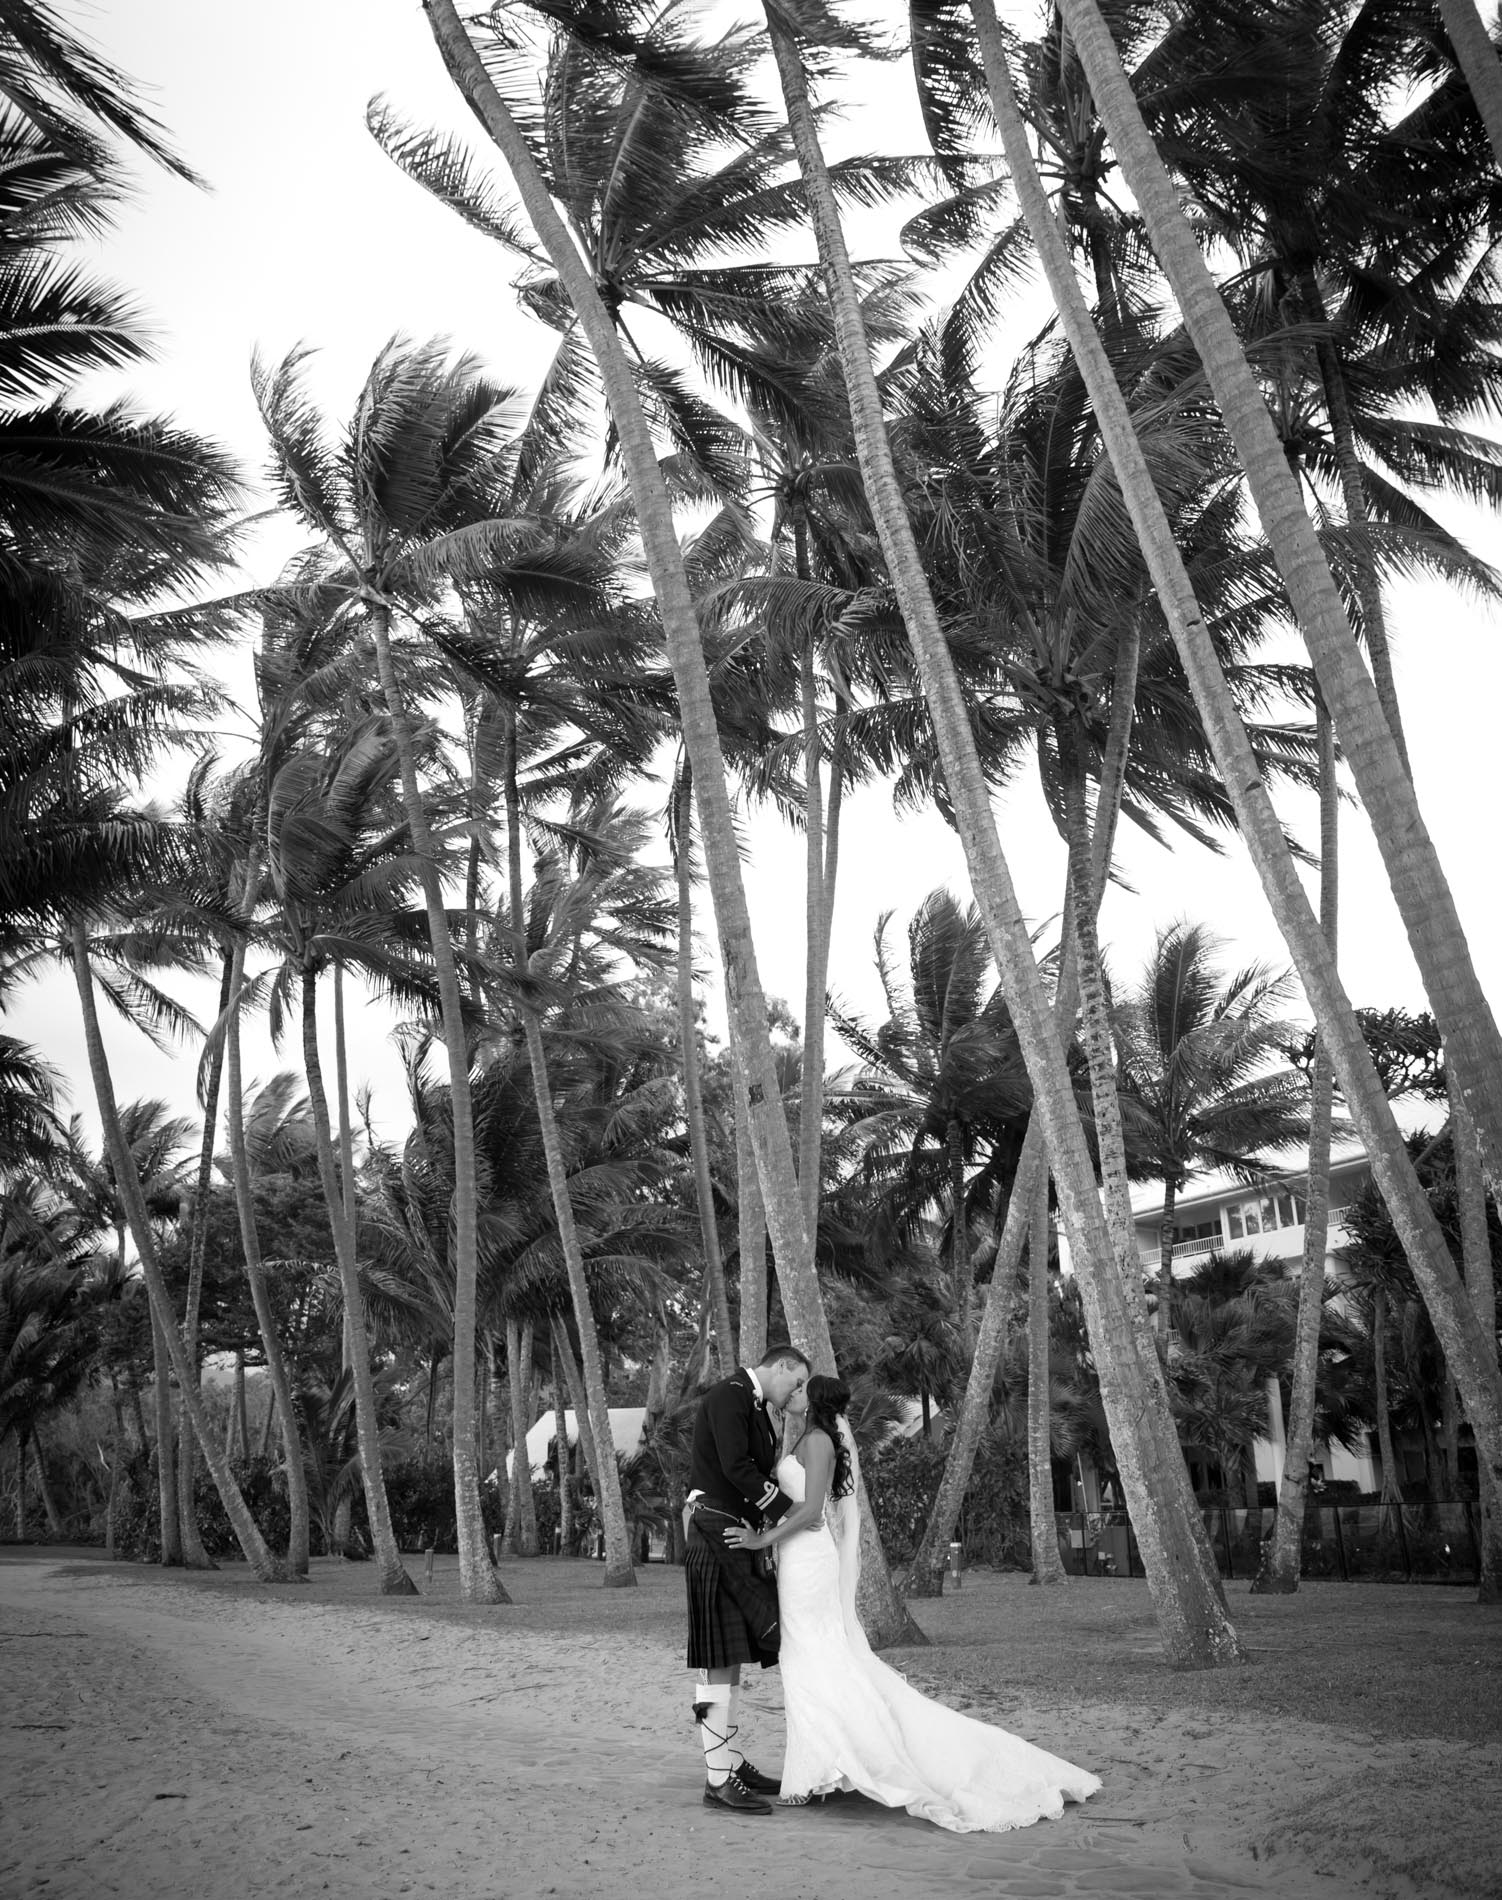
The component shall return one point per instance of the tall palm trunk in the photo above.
(619, 1570)
(1048, 1566)
(1476, 1258)
(573, 1380)
(1358, 521)
(1392, 1488)
(522, 1533)
(1095, 1024)
(561, 1450)
(394, 1578)
(693, 1088)
(194, 1554)
(166, 1462)
(21, 1487)
(961, 1273)
(1418, 882)
(819, 845)
(128, 1184)
(926, 1576)
(1281, 1564)
(751, 1223)
(478, 1582)
(1478, 61)
(1471, 1356)
(1165, 1252)
(255, 1274)
(675, 603)
(1186, 1590)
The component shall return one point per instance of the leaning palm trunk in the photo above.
(1470, 1353)
(1186, 1590)
(1418, 882)
(478, 1582)
(521, 1532)
(1283, 1558)
(394, 1578)
(693, 1089)
(128, 1184)
(255, 1274)
(685, 653)
(1478, 61)
(194, 1554)
(1048, 1567)
(166, 1463)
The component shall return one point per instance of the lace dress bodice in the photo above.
(792, 1481)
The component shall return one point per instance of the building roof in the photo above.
(1147, 1200)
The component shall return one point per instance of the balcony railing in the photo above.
(1184, 1249)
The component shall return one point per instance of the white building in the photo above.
(625, 1429)
(1216, 1214)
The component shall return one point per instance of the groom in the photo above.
(732, 1596)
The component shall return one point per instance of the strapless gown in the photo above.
(853, 1723)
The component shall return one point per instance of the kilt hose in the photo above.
(732, 1604)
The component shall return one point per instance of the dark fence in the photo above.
(1374, 1543)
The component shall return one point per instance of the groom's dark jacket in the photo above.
(733, 1453)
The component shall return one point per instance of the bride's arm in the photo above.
(818, 1468)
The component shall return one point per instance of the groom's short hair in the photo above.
(782, 1353)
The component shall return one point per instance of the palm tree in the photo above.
(48, 1344)
(941, 1081)
(609, 905)
(29, 1128)
(675, 604)
(405, 510)
(1278, 1573)
(1478, 59)
(1193, 1046)
(1418, 881)
(1186, 1591)
(1260, 826)
(1048, 1566)
(339, 877)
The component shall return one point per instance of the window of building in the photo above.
(1199, 1230)
(1264, 1214)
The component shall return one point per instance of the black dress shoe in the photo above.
(738, 1799)
(752, 1778)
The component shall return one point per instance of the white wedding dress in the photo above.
(855, 1724)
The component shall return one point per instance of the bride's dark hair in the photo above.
(828, 1400)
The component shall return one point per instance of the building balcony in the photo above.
(1283, 1243)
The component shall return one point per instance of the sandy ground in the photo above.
(165, 1736)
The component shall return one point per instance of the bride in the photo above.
(852, 1722)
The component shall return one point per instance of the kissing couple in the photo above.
(772, 1568)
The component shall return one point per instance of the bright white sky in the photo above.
(310, 235)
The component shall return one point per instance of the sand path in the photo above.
(163, 1738)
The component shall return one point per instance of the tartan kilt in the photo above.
(728, 1604)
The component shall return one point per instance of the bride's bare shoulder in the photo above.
(815, 1443)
